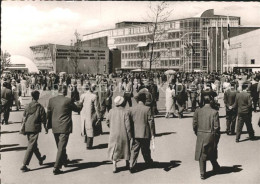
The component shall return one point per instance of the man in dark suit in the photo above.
(6, 102)
(59, 119)
(155, 95)
(34, 116)
(254, 93)
(231, 114)
(207, 128)
(243, 103)
(144, 131)
(181, 97)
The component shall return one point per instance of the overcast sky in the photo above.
(30, 23)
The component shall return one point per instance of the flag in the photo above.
(228, 31)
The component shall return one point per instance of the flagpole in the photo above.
(221, 49)
(207, 49)
(191, 51)
(227, 43)
(216, 46)
(211, 55)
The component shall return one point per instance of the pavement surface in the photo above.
(173, 155)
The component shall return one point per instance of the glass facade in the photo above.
(182, 45)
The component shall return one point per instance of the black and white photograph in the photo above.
(130, 92)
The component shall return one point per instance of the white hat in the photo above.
(119, 100)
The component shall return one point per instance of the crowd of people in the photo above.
(133, 128)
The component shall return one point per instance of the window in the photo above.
(252, 61)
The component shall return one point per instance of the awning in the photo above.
(142, 44)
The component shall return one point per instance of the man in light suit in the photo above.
(207, 129)
(59, 113)
(144, 131)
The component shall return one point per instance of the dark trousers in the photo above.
(61, 143)
(144, 144)
(231, 117)
(31, 148)
(89, 141)
(128, 100)
(193, 103)
(255, 101)
(181, 108)
(154, 107)
(203, 164)
(5, 112)
(244, 118)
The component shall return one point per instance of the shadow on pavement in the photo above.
(87, 165)
(105, 133)
(8, 145)
(166, 166)
(164, 133)
(8, 132)
(248, 139)
(225, 170)
(21, 148)
(51, 164)
(100, 146)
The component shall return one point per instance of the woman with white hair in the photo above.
(118, 120)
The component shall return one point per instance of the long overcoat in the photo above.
(206, 126)
(120, 135)
(89, 113)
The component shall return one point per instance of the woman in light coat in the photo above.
(169, 101)
(118, 120)
(90, 119)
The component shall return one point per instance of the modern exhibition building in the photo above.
(64, 58)
(243, 52)
(189, 44)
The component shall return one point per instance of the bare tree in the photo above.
(158, 15)
(5, 61)
(74, 52)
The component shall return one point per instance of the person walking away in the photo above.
(206, 127)
(144, 131)
(34, 116)
(90, 116)
(6, 102)
(169, 101)
(254, 93)
(181, 98)
(231, 114)
(243, 104)
(118, 120)
(155, 95)
(59, 118)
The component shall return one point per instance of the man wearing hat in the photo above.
(118, 120)
(206, 127)
(144, 131)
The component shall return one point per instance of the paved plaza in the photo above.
(174, 155)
